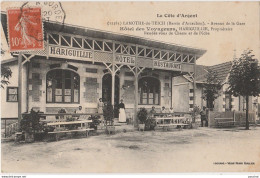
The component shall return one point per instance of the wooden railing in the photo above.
(176, 114)
(9, 130)
(58, 116)
(229, 118)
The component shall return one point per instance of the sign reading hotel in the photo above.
(25, 30)
(127, 60)
(167, 65)
(63, 52)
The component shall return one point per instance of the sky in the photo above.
(221, 46)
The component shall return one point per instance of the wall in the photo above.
(10, 109)
(91, 87)
(236, 102)
(181, 94)
(199, 100)
(91, 90)
(127, 93)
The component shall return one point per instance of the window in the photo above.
(12, 94)
(149, 91)
(62, 86)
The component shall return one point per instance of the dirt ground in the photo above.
(197, 150)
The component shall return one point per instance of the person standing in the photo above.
(171, 110)
(152, 112)
(79, 111)
(163, 110)
(203, 116)
(122, 115)
(100, 107)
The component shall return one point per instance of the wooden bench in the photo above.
(167, 122)
(167, 126)
(224, 122)
(57, 125)
(56, 133)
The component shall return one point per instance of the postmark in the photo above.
(51, 12)
(25, 29)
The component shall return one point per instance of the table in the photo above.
(173, 121)
(175, 114)
(81, 122)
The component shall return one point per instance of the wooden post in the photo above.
(171, 89)
(27, 87)
(113, 78)
(20, 58)
(209, 119)
(234, 118)
(136, 89)
(194, 86)
(136, 98)
(113, 89)
(5, 128)
(194, 83)
(247, 119)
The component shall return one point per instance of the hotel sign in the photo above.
(71, 53)
(167, 65)
(123, 59)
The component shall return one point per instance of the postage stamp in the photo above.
(25, 29)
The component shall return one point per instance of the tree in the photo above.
(108, 113)
(244, 79)
(6, 72)
(211, 88)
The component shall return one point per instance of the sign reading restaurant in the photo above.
(63, 52)
(167, 65)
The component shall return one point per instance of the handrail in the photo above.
(68, 123)
(174, 113)
(170, 118)
(11, 126)
(9, 118)
(65, 114)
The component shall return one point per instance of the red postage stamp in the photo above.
(25, 29)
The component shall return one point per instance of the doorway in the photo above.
(107, 91)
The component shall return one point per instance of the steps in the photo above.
(117, 123)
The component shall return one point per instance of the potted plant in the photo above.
(150, 124)
(30, 124)
(142, 116)
(95, 121)
(108, 112)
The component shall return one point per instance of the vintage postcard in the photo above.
(130, 87)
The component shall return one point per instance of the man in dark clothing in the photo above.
(203, 116)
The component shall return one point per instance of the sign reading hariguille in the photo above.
(25, 30)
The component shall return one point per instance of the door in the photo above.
(107, 91)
